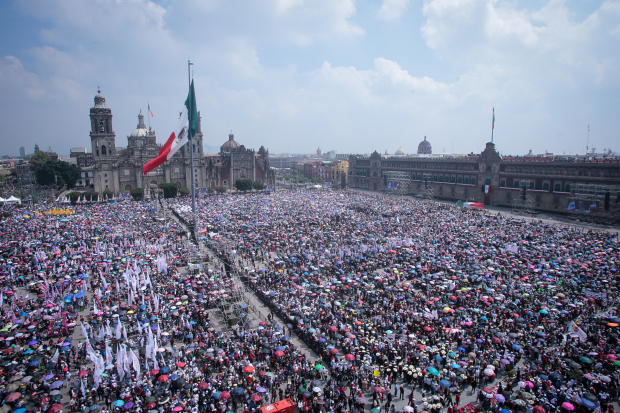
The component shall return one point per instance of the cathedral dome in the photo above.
(141, 130)
(230, 144)
(425, 147)
(400, 151)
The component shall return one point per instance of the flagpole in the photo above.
(148, 115)
(191, 149)
(493, 125)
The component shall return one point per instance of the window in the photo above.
(531, 185)
(487, 182)
(453, 179)
(435, 178)
(545, 186)
(466, 180)
(473, 181)
(502, 183)
(557, 187)
(459, 180)
(103, 150)
(515, 184)
(441, 178)
(567, 188)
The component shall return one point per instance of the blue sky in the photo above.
(294, 75)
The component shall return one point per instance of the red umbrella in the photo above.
(154, 372)
(203, 385)
(333, 350)
(83, 373)
(249, 369)
(379, 389)
(56, 408)
(256, 398)
(496, 340)
(224, 395)
(261, 373)
(538, 409)
(349, 357)
(278, 353)
(181, 364)
(151, 405)
(12, 397)
(162, 378)
(333, 328)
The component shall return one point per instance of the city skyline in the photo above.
(343, 75)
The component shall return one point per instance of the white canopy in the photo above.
(12, 200)
(2, 199)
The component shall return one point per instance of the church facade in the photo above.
(119, 170)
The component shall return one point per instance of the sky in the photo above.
(297, 75)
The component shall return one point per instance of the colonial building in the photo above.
(551, 183)
(118, 170)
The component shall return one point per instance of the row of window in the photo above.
(557, 187)
(455, 167)
(606, 172)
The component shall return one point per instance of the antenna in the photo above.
(588, 141)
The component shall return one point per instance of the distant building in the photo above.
(22, 152)
(549, 180)
(84, 158)
(318, 152)
(23, 172)
(424, 148)
(52, 154)
(36, 148)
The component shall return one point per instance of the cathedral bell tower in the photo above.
(102, 135)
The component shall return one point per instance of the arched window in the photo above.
(103, 151)
(127, 187)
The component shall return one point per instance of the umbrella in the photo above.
(568, 406)
(119, 403)
(55, 408)
(12, 397)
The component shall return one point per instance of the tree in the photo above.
(107, 193)
(184, 191)
(221, 189)
(137, 194)
(38, 160)
(170, 189)
(258, 185)
(48, 171)
(243, 184)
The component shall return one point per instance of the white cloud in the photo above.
(392, 9)
(14, 78)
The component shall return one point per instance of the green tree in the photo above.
(184, 191)
(258, 185)
(137, 194)
(38, 160)
(48, 171)
(243, 184)
(107, 193)
(221, 189)
(170, 189)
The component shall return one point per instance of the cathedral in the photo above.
(117, 170)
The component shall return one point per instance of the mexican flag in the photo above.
(179, 136)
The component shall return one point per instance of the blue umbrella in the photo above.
(164, 370)
(437, 357)
(216, 395)
(56, 384)
(516, 347)
(119, 403)
(174, 377)
(22, 410)
(444, 383)
(588, 403)
(80, 295)
(34, 363)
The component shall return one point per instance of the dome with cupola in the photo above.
(424, 148)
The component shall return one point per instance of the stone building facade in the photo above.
(121, 170)
(551, 182)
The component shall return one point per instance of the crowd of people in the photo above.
(400, 300)
(430, 297)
